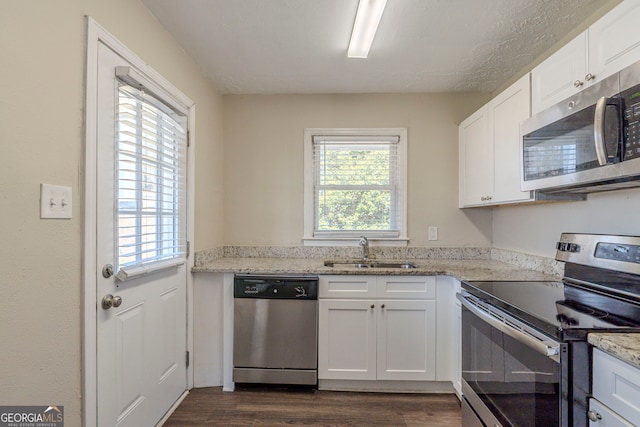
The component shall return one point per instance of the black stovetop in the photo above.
(563, 310)
(600, 289)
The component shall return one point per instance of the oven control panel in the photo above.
(618, 252)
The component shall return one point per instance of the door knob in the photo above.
(577, 83)
(110, 301)
(589, 77)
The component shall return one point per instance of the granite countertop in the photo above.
(462, 269)
(623, 346)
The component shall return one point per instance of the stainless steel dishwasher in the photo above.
(275, 331)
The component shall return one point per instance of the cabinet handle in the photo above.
(577, 83)
(382, 306)
(589, 77)
(373, 305)
(594, 416)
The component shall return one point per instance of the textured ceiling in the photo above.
(299, 46)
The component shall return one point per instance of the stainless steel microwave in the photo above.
(587, 143)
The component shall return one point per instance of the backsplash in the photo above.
(530, 262)
(207, 255)
(342, 252)
(525, 261)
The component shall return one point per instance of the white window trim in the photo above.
(308, 238)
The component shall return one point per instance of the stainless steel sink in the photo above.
(368, 264)
(393, 265)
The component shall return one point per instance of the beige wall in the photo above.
(535, 229)
(263, 197)
(42, 46)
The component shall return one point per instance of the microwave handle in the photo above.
(598, 130)
(551, 352)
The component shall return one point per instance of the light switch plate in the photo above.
(55, 202)
(433, 233)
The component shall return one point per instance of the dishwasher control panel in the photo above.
(276, 287)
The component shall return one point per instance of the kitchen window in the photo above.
(355, 185)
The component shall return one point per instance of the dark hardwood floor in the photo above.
(273, 407)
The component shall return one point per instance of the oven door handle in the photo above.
(539, 346)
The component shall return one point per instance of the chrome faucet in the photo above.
(364, 243)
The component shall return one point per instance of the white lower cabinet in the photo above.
(406, 338)
(616, 392)
(347, 340)
(379, 338)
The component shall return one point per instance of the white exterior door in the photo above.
(142, 343)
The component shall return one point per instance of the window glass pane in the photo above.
(355, 184)
(151, 162)
(346, 164)
(354, 210)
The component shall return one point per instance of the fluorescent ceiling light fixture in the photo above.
(365, 27)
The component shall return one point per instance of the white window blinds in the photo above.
(150, 184)
(356, 186)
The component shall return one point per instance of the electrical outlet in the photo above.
(55, 202)
(433, 233)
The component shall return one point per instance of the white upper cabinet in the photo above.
(475, 152)
(489, 149)
(614, 40)
(609, 45)
(506, 111)
(560, 76)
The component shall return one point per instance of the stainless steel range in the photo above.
(525, 356)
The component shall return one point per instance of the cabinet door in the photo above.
(347, 339)
(506, 111)
(614, 40)
(475, 160)
(406, 340)
(559, 76)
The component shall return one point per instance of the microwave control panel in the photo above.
(631, 117)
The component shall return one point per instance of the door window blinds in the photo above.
(356, 186)
(150, 184)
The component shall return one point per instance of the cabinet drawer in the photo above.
(607, 418)
(617, 385)
(351, 286)
(407, 287)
